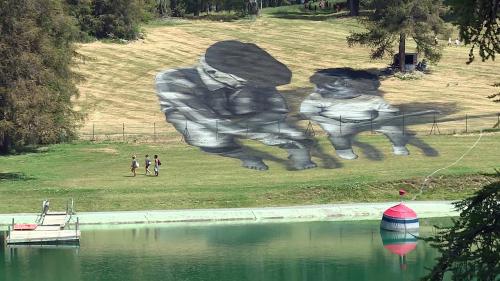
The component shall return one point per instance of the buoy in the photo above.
(400, 218)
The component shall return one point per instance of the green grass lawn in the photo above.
(97, 175)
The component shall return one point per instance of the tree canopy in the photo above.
(110, 18)
(36, 82)
(479, 25)
(392, 21)
(470, 249)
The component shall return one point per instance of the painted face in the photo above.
(339, 87)
(225, 79)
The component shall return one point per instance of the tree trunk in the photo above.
(196, 12)
(173, 8)
(353, 7)
(402, 50)
(5, 145)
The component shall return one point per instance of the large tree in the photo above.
(36, 82)
(470, 249)
(392, 22)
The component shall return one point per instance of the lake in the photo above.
(313, 251)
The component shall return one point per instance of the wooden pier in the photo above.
(52, 229)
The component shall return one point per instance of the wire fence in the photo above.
(161, 131)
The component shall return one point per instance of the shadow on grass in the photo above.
(313, 15)
(327, 161)
(15, 176)
(26, 150)
(217, 17)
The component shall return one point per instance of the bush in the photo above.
(111, 18)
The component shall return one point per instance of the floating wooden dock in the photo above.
(53, 229)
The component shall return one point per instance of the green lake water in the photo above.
(313, 251)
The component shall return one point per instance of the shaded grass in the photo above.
(97, 176)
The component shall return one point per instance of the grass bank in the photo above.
(97, 175)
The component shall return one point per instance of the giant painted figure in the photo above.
(232, 94)
(346, 102)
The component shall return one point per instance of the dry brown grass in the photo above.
(119, 77)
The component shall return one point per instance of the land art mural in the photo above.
(231, 94)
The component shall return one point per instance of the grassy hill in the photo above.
(118, 86)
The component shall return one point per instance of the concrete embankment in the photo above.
(330, 212)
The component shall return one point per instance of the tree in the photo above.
(394, 21)
(470, 249)
(36, 81)
(496, 96)
(111, 18)
(353, 7)
(479, 25)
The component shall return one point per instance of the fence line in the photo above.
(414, 125)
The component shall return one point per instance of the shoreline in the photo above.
(327, 212)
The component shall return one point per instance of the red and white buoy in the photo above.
(399, 218)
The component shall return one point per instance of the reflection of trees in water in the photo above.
(239, 236)
(39, 263)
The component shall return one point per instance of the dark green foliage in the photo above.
(496, 96)
(162, 7)
(36, 82)
(479, 25)
(391, 20)
(470, 248)
(111, 18)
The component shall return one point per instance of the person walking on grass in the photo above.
(157, 165)
(147, 164)
(134, 165)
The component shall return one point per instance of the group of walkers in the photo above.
(147, 164)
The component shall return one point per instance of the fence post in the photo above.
(154, 131)
(123, 132)
(466, 122)
(371, 122)
(403, 123)
(93, 131)
(340, 124)
(216, 129)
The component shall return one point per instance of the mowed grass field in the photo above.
(97, 175)
(118, 89)
(119, 78)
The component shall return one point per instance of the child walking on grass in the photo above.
(157, 165)
(147, 163)
(134, 165)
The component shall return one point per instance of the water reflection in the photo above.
(399, 243)
(285, 251)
